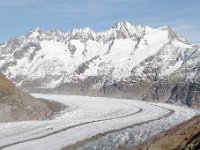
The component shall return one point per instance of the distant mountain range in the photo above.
(129, 61)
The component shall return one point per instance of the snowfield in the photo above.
(105, 123)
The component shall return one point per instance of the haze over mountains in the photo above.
(129, 61)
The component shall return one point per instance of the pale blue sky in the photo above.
(19, 16)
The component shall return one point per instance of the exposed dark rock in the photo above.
(72, 48)
(81, 69)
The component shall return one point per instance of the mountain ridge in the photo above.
(129, 61)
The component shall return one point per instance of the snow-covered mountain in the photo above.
(130, 61)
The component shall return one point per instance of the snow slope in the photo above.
(88, 116)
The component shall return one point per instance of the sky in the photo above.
(17, 17)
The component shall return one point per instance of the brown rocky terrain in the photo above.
(16, 105)
(185, 136)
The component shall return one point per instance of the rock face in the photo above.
(6, 87)
(16, 105)
(129, 61)
(185, 136)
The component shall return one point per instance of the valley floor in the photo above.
(93, 123)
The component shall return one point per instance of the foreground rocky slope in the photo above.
(129, 61)
(16, 105)
(185, 136)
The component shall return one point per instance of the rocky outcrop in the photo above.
(16, 105)
(6, 87)
(187, 93)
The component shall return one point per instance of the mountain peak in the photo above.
(169, 29)
(34, 32)
(172, 34)
(120, 25)
(83, 30)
